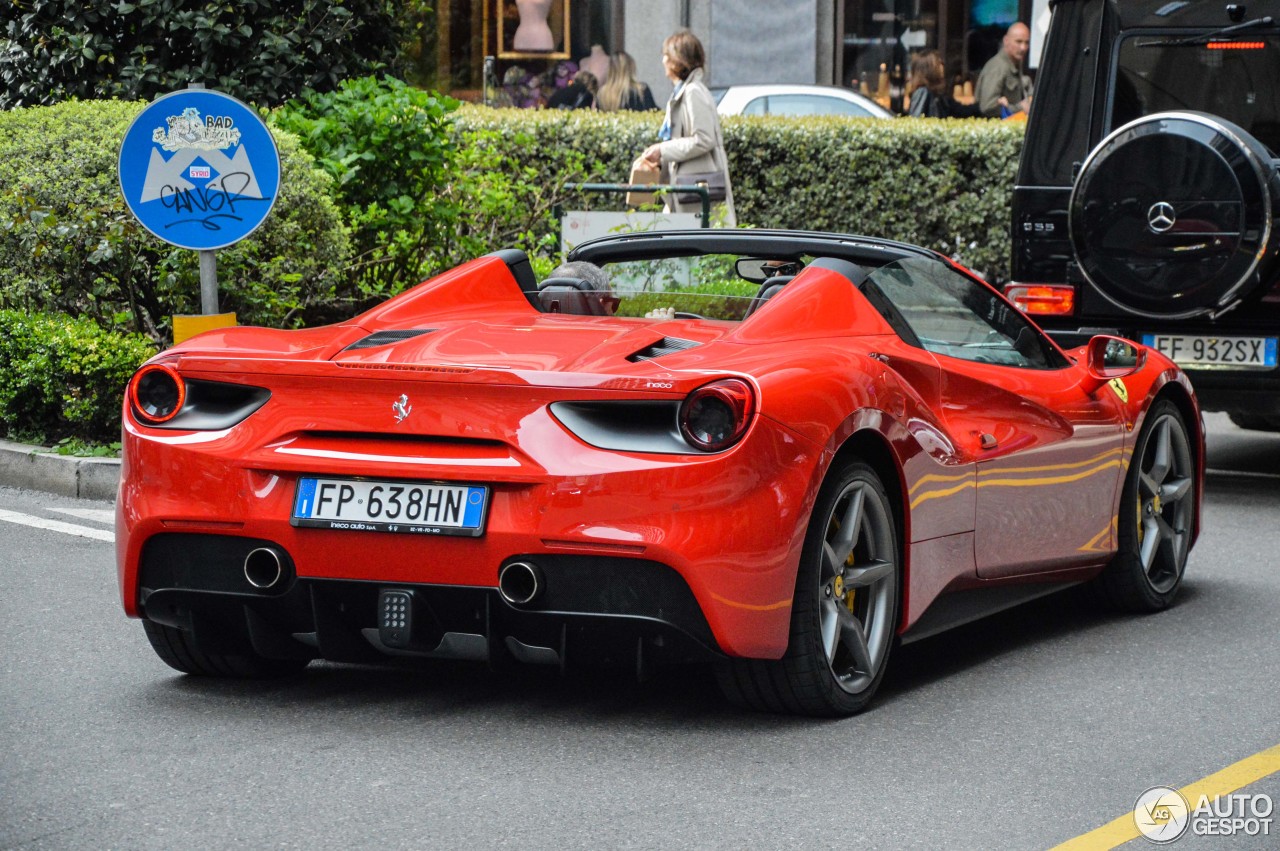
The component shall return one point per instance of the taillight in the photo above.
(157, 393)
(716, 415)
(1043, 299)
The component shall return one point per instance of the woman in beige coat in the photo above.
(691, 137)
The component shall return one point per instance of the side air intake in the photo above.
(665, 346)
(382, 338)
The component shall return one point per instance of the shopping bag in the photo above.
(643, 172)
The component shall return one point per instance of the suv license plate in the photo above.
(1187, 350)
(422, 508)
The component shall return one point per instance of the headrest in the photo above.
(770, 288)
(571, 295)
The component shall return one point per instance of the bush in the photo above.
(261, 52)
(62, 377)
(390, 150)
(69, 244)
(947, 185)
(421, 194)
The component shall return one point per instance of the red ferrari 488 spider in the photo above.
(778, 452)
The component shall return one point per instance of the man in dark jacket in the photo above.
(1002, 85)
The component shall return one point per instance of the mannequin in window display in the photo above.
(597, 62)
(533, 34)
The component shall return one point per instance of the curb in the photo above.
(36, 468)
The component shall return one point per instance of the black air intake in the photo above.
(665, 346)
(382, 338)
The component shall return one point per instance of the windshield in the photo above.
(952, 315)
(1237, 79)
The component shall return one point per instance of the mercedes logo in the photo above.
(1161, 217)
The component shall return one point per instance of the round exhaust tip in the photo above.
(520, 582)
(263, 568)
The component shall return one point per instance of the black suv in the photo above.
(1148, 195)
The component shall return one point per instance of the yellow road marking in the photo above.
(932, 477)
(1050, 480)
(928, 495)
(1236, 776)
(1101, 542)
(1094, 459)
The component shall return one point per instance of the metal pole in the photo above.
(208, 266)
(208, 282)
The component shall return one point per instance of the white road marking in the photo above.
(56, 526)
(1244, 473)
(98, 515)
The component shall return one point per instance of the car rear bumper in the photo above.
(591, 610)
(728, 527)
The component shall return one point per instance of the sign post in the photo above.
(200, 170)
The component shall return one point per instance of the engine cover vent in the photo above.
(382, 338)
(665, 346)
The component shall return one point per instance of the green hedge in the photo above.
(261, 51)
(62, 377)
(947, 185)
(68, 244)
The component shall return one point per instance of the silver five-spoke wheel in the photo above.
(858, 578)
(1165, 484)
(1157, 516)
(844, 616)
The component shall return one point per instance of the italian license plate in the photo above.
(420, 508)
(1186, 350)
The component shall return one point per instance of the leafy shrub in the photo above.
(261, 52)
(390, 149)
(62, 377)
(69, 244)
(946, 185)
(722, 299)
(420, 194)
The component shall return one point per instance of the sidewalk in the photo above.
(37, 468)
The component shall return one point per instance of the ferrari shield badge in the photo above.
(1117, 384)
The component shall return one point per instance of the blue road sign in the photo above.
(199, 169)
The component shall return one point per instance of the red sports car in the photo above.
(780, 452)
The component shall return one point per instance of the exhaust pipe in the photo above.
(263, 568)
(520, 582)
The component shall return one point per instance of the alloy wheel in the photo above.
(858, 578)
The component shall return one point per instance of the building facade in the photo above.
(832, 42)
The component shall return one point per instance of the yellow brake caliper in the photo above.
(842, 593)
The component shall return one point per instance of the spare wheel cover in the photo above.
(1172, 215)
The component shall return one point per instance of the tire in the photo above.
(1255, 422)
(1172, 216)
(177, 651)
(1157, 513)
(844, 615)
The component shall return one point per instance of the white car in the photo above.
(794, 99)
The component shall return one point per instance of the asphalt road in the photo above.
(1020, 731)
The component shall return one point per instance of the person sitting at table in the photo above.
(929, 96)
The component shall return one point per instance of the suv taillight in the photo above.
(1042, 299)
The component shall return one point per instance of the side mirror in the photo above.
(1108, 358)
